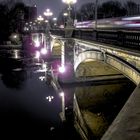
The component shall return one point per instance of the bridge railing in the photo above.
(124, 38)
(59, 32)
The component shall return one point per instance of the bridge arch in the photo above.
(119, 64)
(56, 46)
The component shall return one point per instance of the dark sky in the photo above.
(57, 5)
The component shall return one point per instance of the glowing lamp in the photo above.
(37, 43)
(43, 51)
(62, 69)
(61, 94)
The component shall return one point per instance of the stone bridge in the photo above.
(73, 52)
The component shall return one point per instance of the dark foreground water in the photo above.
(25, 111)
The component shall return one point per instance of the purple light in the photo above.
(62, 69)
(37, 54)
(43, 51)
(37, 43)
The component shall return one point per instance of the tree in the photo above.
(112, 9)
(16, 16)
(131, 8)
(86, 12)
(4, 22)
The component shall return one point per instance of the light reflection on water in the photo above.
(24, 107)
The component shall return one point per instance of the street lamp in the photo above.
(69, 2)
(54, 21)
(40, 18)
(65, 15)
(96, 13)
(48, 14)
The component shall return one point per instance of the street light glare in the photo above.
(61, 69)
(61, 94)
(69, 1)
(43, 51)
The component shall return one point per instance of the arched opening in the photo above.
(56, 49)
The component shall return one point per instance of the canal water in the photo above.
(29, 106)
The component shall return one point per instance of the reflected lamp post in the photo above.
(62, 115)
(96, 13)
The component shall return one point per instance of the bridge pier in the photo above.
(67, 60)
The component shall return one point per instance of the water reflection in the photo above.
(100, 104)
(27, 112)
(12, 72)
(14, 79)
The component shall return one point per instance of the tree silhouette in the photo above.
(4, 22)
(86, 12)
(131, 8)
(112, 9)
(16, 16)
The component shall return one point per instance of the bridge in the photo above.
(113, 53)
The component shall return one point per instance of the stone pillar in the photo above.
(67, 60)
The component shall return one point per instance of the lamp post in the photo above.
(40, 19)
(48, 14)
(69, 2)
(96, 13)
(54, 22)
(65, 17)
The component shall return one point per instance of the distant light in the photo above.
(43, 51)
(42, 78)
(69, 1)
(49, 98)
(65, 14)
(46, 21)
(40, 18)
(54, 19)
(15, 36)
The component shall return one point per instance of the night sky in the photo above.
(57, 5)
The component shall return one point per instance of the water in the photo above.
(25, 111)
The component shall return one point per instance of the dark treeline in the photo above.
(109, 9)
(11, 18)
